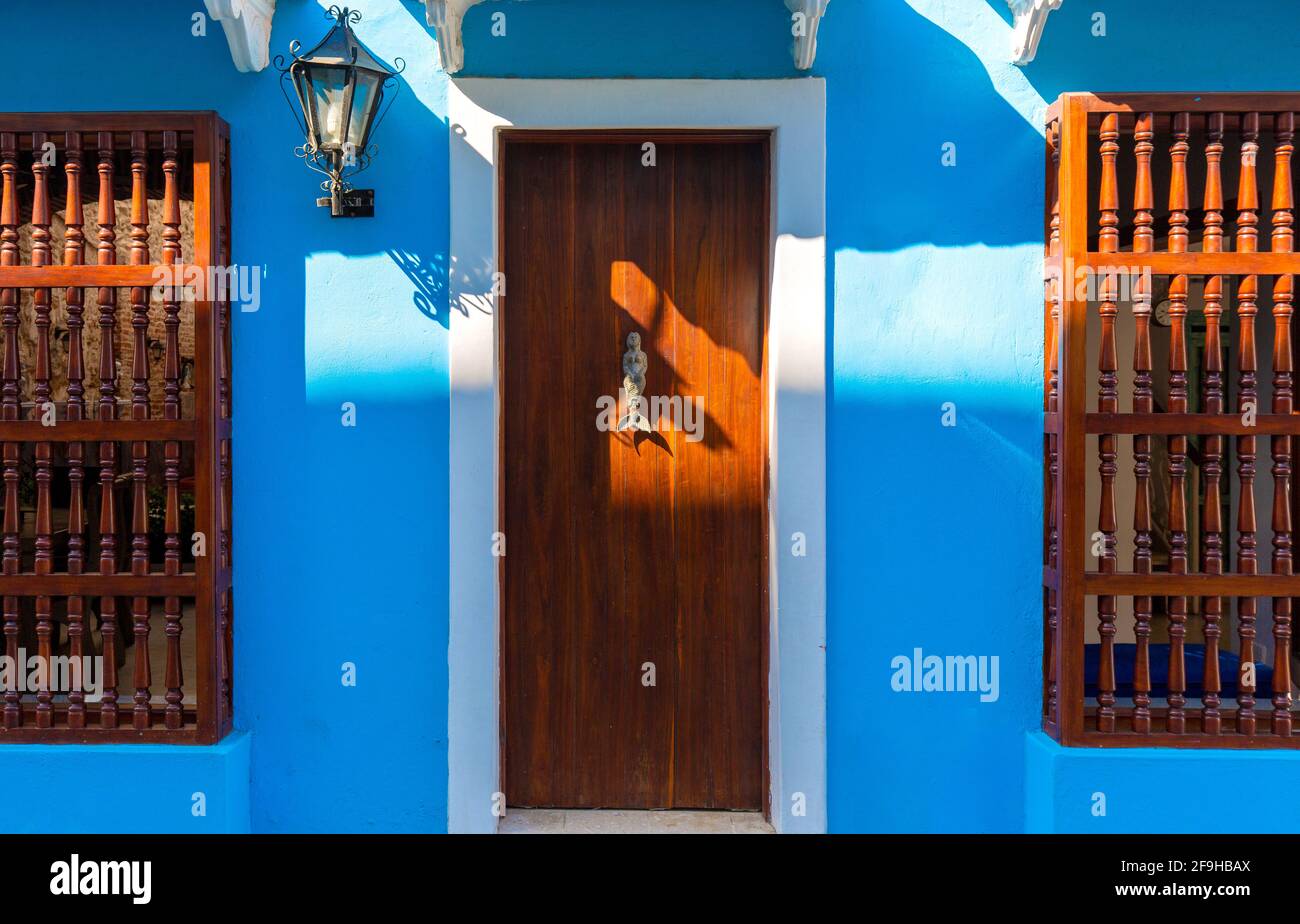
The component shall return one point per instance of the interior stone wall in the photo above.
(91, 333)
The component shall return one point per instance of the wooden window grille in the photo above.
(1170, 434)
(115, 428)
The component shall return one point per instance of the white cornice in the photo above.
(247, 24)
(1030, 17)
(446, 17)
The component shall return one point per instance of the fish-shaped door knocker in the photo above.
(634, 367)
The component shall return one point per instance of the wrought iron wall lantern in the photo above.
(340, 88)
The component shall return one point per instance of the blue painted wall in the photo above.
(135, 788)
(1154, 790)
(935, 297)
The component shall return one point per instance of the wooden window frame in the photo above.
(1070, 573)
(210, 582)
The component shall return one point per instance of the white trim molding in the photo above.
(795, 112)
(447, 17)
(1030, 18)
(805, 32)
(247, 24)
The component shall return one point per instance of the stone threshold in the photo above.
(625, 821)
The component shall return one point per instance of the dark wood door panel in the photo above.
(540, 601)
(717, 273)
(629, 551)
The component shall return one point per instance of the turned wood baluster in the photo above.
(1053, 406)
(74, 250)
(223, 315)
(224, 627)
(1177, 444)
(171, 255)
(224, 641)
(1247, 290)
(1107, 403)
(140, 411)
(225, 616)
(1143, 403)
(223, 362)
(1283, 295)
(107, 300)
(223, 342)
(44, 561)
(1212, 517)
(10, 409)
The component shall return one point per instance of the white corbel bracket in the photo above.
(805, 31)
(247, 24)
(446, 17)
(1030, 17)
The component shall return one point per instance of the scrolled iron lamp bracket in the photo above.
(355, 90)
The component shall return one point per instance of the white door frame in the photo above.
(796, 402)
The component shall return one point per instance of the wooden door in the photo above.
(634, 585)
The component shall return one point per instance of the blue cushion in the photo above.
(1193, 659)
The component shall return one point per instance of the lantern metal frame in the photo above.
(340, 162)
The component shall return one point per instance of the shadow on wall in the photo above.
(893, 112)
(934, 278)
(429, 277)
(372, 295)
(1165, 46)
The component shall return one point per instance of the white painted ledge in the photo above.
(247, 24)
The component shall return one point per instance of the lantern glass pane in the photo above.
(364, 98)
(329, 90)
(302, 88)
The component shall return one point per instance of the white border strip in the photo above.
(796, 110)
